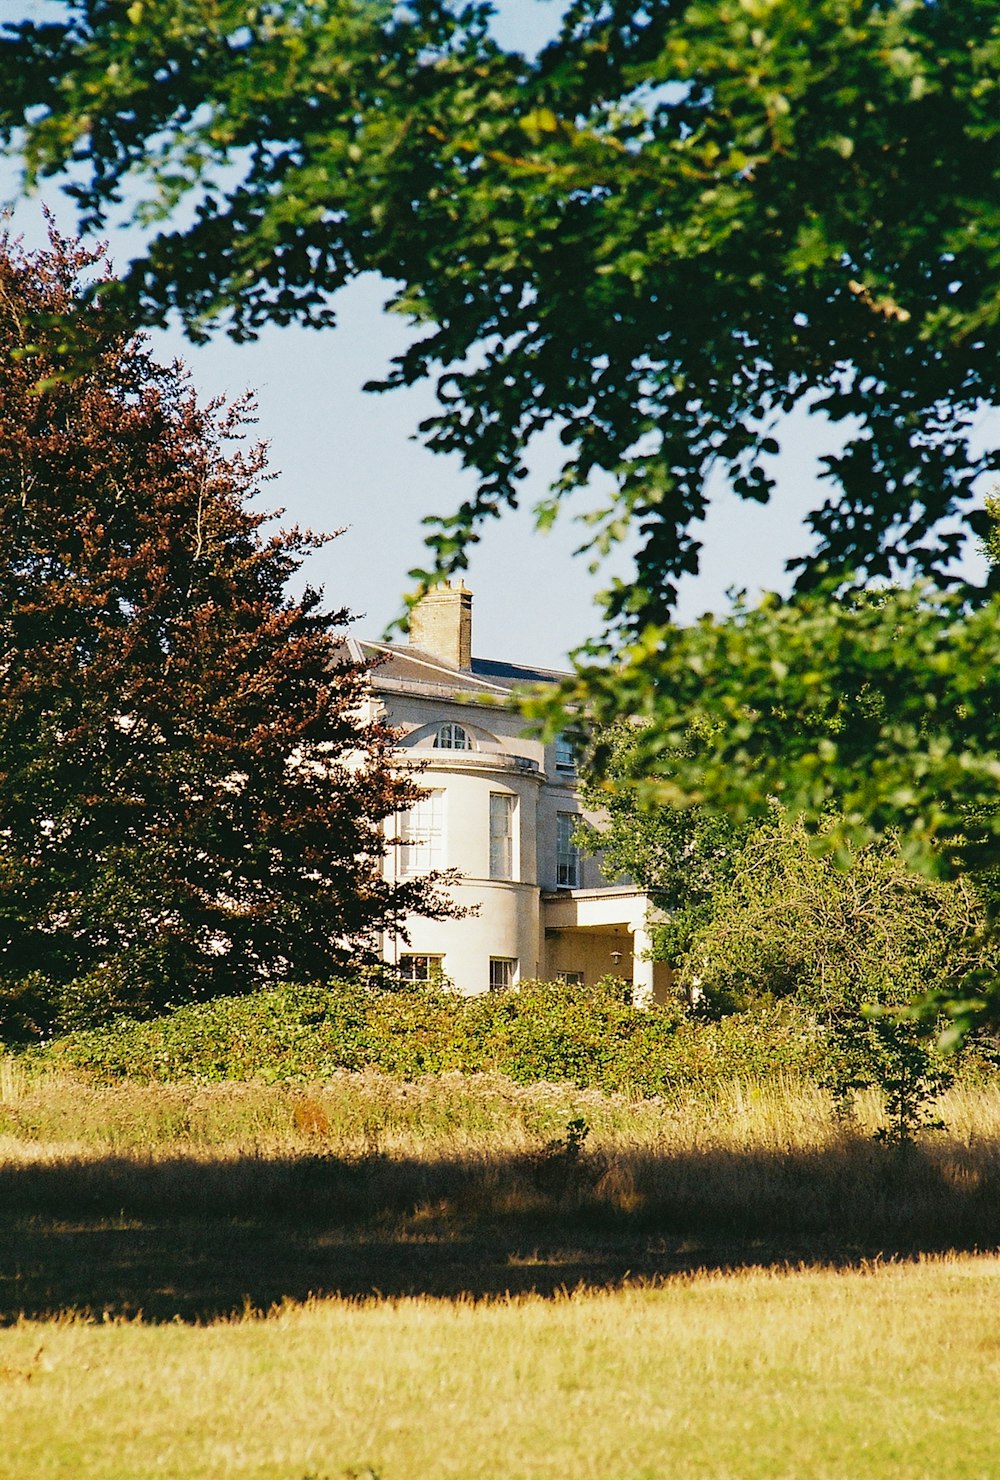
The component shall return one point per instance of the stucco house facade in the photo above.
(501, 809)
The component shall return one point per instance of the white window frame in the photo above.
(503, 832)
(417, 966)
(504, 973)
(571, 978)
(422, 834)
(567, 853)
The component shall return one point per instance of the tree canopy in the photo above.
(851, 940)
(879, 706)
(787, 920)
(873, 714)
(191, 799)
(672, 226)
(677, 223)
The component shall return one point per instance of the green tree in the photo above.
(879, 706)
(671, 227)
(191, 800)
(839, 936)
(871, 714)
(991, 542)
(680, 856)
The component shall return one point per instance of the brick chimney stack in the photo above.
(441, 624)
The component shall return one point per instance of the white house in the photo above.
(501, 808)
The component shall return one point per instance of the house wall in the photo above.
(593, 953)
(495, 732)
(505, 925)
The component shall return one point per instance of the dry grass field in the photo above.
(451, 1279)
(884, 1372)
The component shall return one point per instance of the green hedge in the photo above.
(590, 1037)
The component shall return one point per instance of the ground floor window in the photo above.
(571, 978)
(421, 968)
(503, 973)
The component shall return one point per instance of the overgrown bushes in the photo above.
(591, 1037)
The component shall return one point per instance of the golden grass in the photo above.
(886, 1373)
(185, 1201)
(372, 1113)
(430, 1282)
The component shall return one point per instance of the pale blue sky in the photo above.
(346, 459)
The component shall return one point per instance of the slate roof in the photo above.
(406, 665)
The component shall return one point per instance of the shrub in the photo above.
(589, 1037)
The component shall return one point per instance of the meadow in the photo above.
(460, 1276)
(762, 1375)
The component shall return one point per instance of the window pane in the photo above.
(422, 832)
(452, 737)
(565, 753)
(501, 835)
(421, 968)
(503, 973)
(567, 853)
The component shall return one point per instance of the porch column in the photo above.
(642, 966)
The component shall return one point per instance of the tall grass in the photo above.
(354, 1114)
(479, 1158)
(341, 1275)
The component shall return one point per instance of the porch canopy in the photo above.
(592, 933)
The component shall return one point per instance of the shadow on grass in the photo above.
(189, 1238)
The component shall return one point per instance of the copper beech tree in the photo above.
(189, 800)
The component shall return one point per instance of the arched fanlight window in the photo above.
(452, 737)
